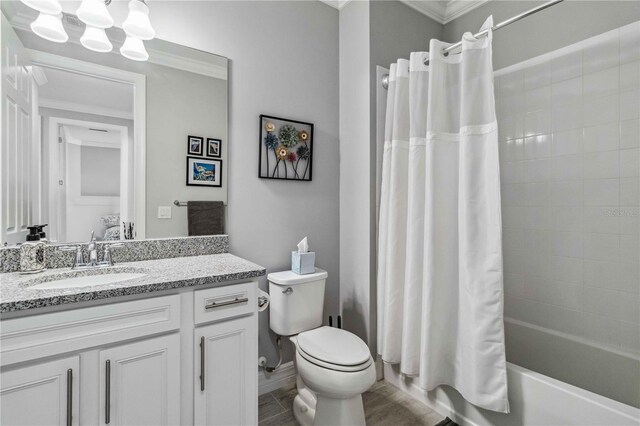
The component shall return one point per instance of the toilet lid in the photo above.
(334, 346)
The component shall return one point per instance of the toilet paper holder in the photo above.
(262, 300)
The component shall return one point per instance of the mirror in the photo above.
(98, 142)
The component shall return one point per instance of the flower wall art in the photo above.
(286, 149)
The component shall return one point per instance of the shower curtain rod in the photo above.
(505, 23)
(483, 33)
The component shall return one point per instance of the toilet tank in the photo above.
(297, 301)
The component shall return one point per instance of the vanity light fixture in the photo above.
(137, 23)
(133, 48)
(96, 39)
(52, 7)
(96, 17)
(50, 27)
(94, 13)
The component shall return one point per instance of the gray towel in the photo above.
(205, 217)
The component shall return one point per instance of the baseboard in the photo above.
(284, 376)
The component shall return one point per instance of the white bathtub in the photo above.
(537, 399)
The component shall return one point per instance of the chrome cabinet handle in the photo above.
(69, 396)
(288, 290)
(107, 397)
(235, 301)
(202, 363)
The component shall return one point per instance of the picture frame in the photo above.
(204, 172)
(195, 145)
(285, 149)
(214, 148)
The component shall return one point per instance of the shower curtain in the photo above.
(440, 290)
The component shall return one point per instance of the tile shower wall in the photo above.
(569, 128)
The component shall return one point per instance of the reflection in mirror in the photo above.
(97, 142)
(87, 156)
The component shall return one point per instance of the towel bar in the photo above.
(183, 204)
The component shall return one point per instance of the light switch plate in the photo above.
(164, 212)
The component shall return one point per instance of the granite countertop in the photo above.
(16, 293)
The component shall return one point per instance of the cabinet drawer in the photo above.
(218, 303)
(42, 335)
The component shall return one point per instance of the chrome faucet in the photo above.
(92, 248)
(93, 252)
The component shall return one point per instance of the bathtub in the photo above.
(539, 399)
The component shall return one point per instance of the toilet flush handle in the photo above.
(288, 290)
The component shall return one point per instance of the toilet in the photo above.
(334, 366)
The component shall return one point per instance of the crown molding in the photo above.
(336, 4)
(457, 8)
(441, 11)
(22, 21)
(434, 9)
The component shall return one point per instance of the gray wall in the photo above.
(561, 25)
(284, 62)
(397, 30)
(355, 170)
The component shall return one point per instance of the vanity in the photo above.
(157, 323)
(175, 343)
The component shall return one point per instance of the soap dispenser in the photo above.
(33, 252)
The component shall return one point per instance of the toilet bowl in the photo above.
(334, 366)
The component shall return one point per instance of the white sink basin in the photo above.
(87, 281)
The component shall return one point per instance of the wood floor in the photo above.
(384, 405)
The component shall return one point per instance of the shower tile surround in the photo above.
(569, 130)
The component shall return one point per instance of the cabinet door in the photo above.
(41, 394)
(226, 388)
(140, 383)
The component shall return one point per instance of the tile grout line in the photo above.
(278, 402)
(275, 415)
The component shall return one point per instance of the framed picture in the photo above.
(286, 149)
(194, 146)
(214, 147)
(204, 172)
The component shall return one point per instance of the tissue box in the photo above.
(303, 263)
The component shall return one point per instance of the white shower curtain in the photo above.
(440, 291)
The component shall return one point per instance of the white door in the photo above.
(19, 174)
(42, 394)
(226, 355)
(140, 383)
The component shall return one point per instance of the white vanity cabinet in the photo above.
(41, 394)
(129, 363)
(140, 383)
(225, 389)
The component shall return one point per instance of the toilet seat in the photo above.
(335, 367)
(334, 349)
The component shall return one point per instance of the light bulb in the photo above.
(96, 39)
(133, 48)
(137, 23)
(50, 27)
(94, 13)
(52, 7)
